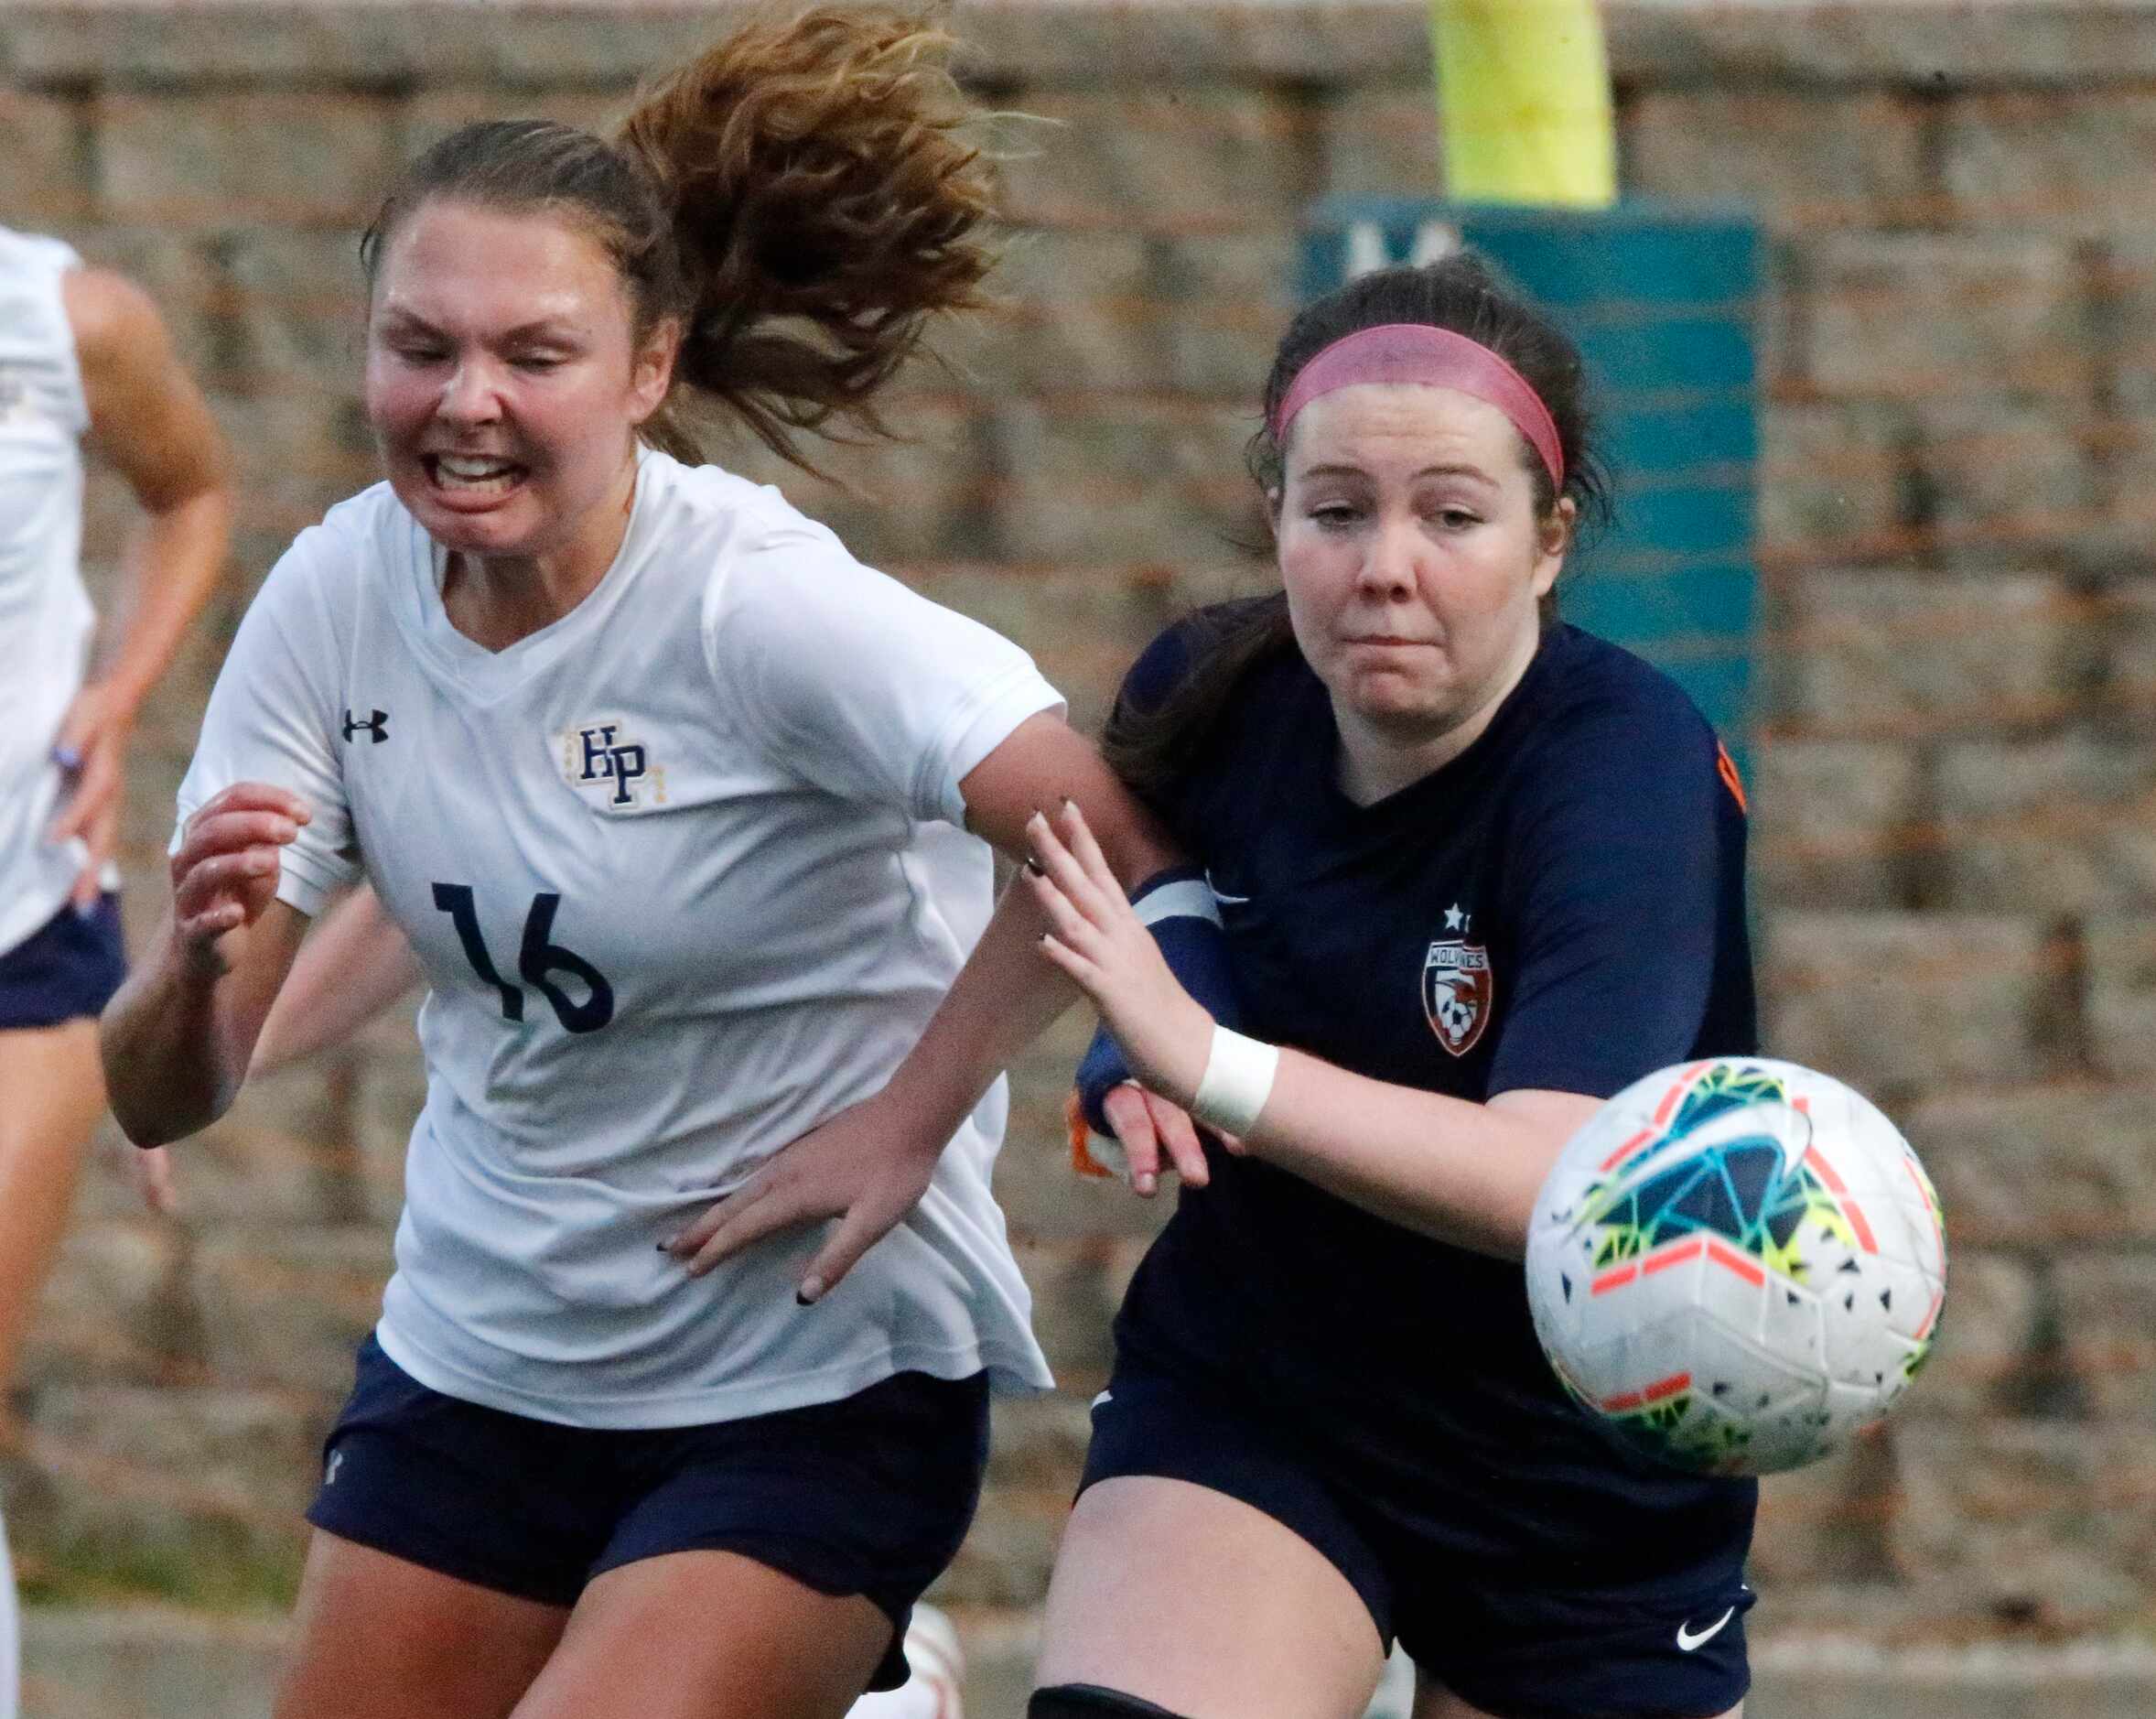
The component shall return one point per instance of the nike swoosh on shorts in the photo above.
(1687, 1642)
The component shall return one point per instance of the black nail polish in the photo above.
(1035, 867)
(801, 1300)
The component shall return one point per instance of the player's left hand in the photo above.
(1156, 1134)
(1097, 938)
(863, 1167)
(92, 751)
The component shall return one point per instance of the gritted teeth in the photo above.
(473, 469)
(474, 474)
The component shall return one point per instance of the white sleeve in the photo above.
(856, 683)
(272, 717)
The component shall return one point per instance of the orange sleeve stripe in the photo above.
(1727, 766)
(1074, 1123)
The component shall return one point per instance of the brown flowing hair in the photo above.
(801, 196)
(1151, 749)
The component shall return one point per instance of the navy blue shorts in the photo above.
(1668, 1648)
(871, 1495)
(64, 970)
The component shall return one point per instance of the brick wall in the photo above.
(1955, 856)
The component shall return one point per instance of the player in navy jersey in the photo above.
(1477, 870)
(684, 815)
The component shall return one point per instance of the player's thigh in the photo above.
(709, 1634)
(55, 1092)
(1204, 1605)
(51, 1095)
(379, 1638)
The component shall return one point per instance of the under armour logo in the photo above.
(378, 726)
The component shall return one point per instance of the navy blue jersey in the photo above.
(1560, 907)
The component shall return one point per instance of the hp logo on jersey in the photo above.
(600, 756)
(1458, 986)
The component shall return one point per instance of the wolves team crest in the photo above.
(1457, 986)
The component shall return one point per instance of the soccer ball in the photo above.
(1736, 1264)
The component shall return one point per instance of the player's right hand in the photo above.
(92, 751)
(224, 873)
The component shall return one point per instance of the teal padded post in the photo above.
(1662, 302)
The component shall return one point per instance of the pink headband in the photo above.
(1437, 357)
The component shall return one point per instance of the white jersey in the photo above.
(686, 874)
(46, 619)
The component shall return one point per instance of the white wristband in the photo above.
(1237, 1081)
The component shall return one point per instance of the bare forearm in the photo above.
(178, 1037)
(1003, 999)
(1006, 996)
(172, 563)
(356, 964)
(170, 1062)
(1464, 1172)
(149, 418)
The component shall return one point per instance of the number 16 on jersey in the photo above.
(538, 960)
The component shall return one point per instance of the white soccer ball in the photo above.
(1736, 1265)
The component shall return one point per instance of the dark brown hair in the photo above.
(1150, 750)
(800, 196)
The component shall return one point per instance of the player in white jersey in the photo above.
(682, 811)
(354, 965)
(83, 357)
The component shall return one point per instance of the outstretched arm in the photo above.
(1462, 1171)
(148, 417)
(998, 1004)
(869, 1165)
